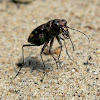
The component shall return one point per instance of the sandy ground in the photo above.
(71, 81)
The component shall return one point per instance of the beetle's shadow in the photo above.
(34, 64)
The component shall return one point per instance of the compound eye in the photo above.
(56, 24)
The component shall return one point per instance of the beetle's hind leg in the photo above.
(22, 64)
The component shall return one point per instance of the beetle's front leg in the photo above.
(67, 51)
(59, 41)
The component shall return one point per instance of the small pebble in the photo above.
(57, 51)
(89, 57)
(88, 70)
(98, 51)
(95, 73)
(34, 21)
(97, 78)
(86, 63)
(3, 62)
(22, 1)
(98, 94)
(34, 56)
(73, 70)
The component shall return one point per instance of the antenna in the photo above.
(80, 32)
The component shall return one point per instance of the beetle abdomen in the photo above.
(37, 37)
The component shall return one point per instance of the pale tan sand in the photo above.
(71, 82)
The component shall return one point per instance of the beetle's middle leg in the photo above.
(44, 46)
(50, 48)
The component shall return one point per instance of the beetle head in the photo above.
(57, 23)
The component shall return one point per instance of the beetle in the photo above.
(45, 33)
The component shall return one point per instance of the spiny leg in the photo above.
(51, 44)
(59, 41)
(44, 46)
(22, 64)
(67, 51)
(66, 35)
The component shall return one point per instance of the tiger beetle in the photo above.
(45, 33)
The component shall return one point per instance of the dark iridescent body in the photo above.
(46, 33)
